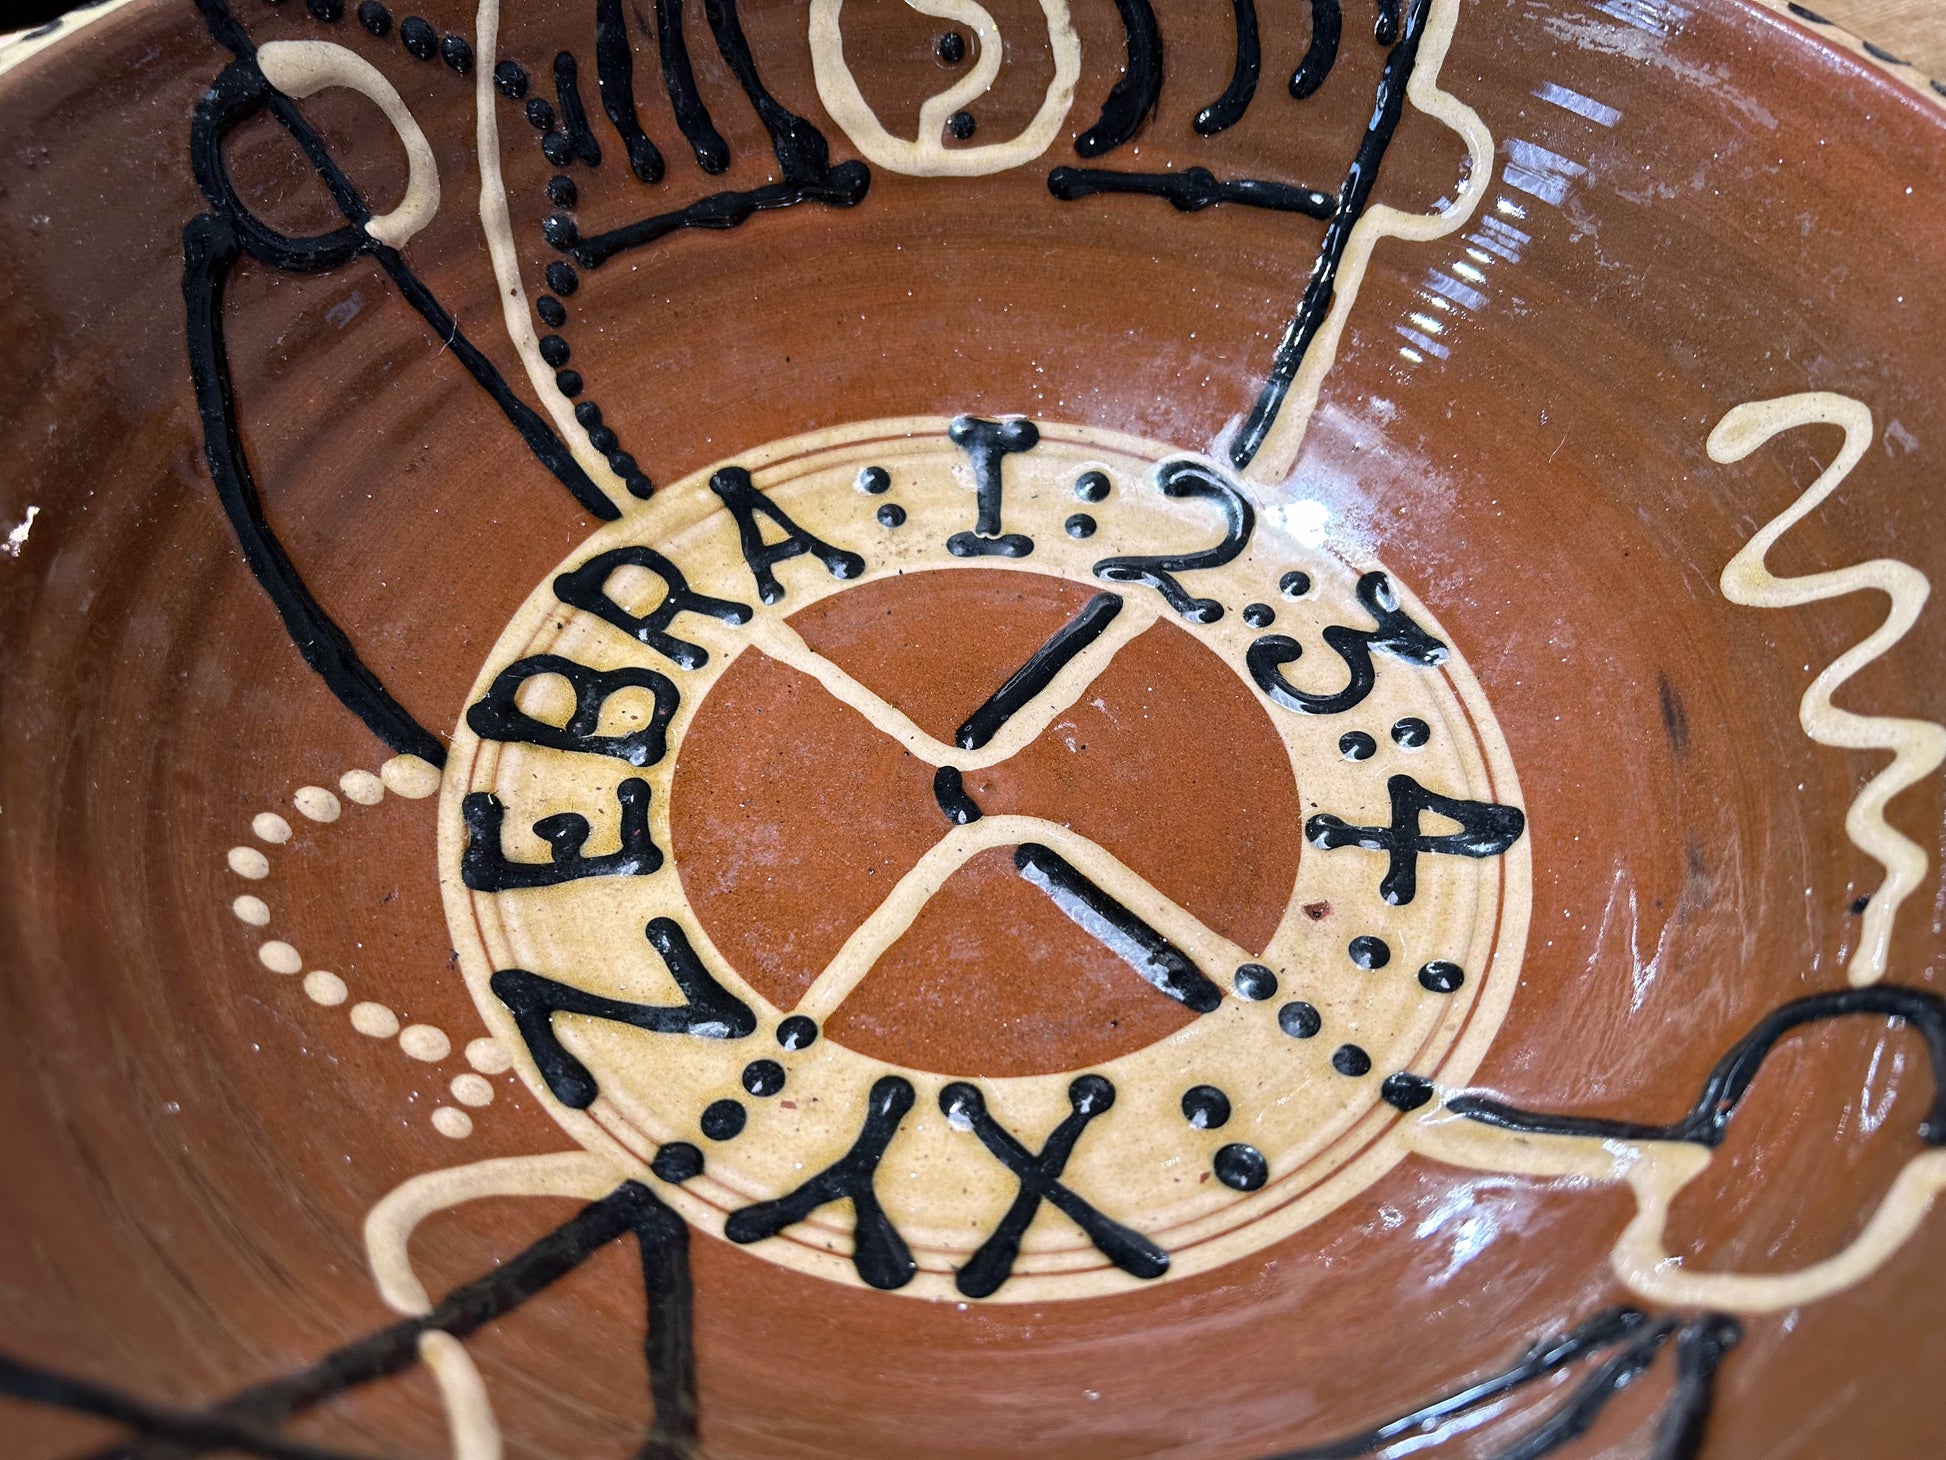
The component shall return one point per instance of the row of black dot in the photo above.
(951, 50)
(421, 40)
(1409, 733)
(511, 81)
(724, 1120)
(876, 481)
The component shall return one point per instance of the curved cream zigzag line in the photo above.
(1918, 746)
(1656, 1171)
(781, 642)
(909, 896)
(499, 229)
(927, 155)
(388, 1235)
(1276, 458)
(304, 68)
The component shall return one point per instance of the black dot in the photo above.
(797, 1032)
(1859, 905)
(763, 1077)
(552, 312)
(1349, 1059)
(554, 350)
(639, 486)
(568, 382)
(1255, 982)
(1294, 584)
(1411, 732)
(559, 230)
(891, 515)
(561, 191)
(540, 114)
(1369, 952)
(556, 148)
(951, 48)
(1357, 745)
(419, 37)
(1241, 1167)
(677, 1162)
(1441, 977)
(1081, 525)
(510, 80)
(1092, 486)
(457, 53)
(562, 279)
(1205, 1107)
(621, 463)
(1259, 615)
(962, 125)
(329, 11)
(1299, 1020)
(1405, 1091)
(375, 17)
(603, 440)
(588, 414)
(723, 1120)
(874, 479)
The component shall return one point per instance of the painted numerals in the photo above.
(1157, 570)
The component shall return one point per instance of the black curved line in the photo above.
(800, 147)
(1700, 1350)
(1708, 1119)
(1322, 53)
(841, 187)
(1228, 109)
(615, 79)
(210, 250)
(239, 1423)
(692, 117)
(1192, 189)
(574, 116)
(1353, 197)
(260, 242)
(1135, 96)
(1600, 1331)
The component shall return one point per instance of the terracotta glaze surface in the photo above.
(868, 729)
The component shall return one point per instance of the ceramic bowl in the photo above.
(971, 730)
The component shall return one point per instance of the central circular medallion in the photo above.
(982, 858)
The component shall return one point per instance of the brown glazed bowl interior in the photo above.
(1153, 776)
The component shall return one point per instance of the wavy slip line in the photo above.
(497, 225)
(1656, 1171)
(927, 155)
(1918, 746)
(782, 643)
(388, 1235)
(1276, 458)
(891, 918)
(304, 68)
